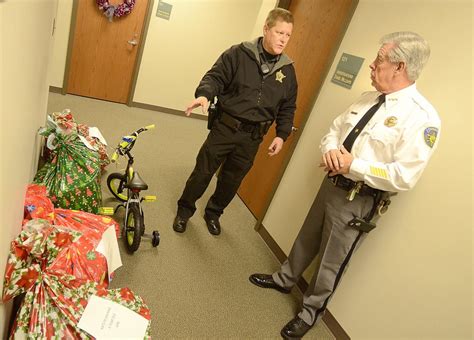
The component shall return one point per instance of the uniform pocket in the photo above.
(385, 135)
(350, 122)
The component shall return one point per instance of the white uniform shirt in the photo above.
(394, 147)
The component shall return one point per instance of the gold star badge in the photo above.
(279, 76)
(391, 121)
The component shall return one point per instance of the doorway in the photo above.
(318, 31)
(103, 55)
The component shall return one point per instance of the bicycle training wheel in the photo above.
(116, 183)
(133, 227)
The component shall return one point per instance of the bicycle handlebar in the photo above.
(145, 128)
(114, 157)
(127, 142)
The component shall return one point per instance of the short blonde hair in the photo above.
(278, 14)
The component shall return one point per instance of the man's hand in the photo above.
(199, 101)
(337, 162)
(276, 146)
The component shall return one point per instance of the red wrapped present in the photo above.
(54, 299)
(88, 260)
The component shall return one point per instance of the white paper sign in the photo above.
(108, 246)
(105, 319)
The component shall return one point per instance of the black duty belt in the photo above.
(236, 124)
(349, 185)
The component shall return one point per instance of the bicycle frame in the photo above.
(134, 225)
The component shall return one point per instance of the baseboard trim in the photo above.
(165, 110)
(330, 321)
(150, 107)
(55, 89)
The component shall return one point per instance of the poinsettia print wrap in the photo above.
(82, 259)
(37, 203)
(54, 299)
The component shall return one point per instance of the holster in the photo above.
(212, 115)
(256, 129)
(261, 129)
(380, 207)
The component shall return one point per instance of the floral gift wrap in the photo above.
(72, 177)
(89, 260)
(64, 122)
(38, 205)
(74, 162)
(39, 265)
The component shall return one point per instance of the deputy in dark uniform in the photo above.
(255, 84)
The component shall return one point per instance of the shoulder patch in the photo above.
(430, 135)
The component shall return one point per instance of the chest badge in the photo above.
(391, 121)
(280, 76)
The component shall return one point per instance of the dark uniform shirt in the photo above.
(246, 93)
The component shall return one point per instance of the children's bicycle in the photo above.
(126, 187)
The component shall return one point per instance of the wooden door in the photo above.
(104, 53)
(317, 33)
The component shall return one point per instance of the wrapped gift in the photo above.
(86, 259)
(74, 157)
(64, 122)
(37, 203)
(54, 299)
(94, 140)
(72, 177)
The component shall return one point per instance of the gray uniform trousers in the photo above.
(326, 233)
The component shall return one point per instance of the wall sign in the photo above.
(347, 70)
(164, 10)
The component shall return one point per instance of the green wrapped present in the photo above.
(72, 176)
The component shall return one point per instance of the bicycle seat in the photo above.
(137, 182)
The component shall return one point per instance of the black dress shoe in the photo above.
(179, 224)
(295, 329)
(213, 225)
(266, 281)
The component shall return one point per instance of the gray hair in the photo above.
(409, 48)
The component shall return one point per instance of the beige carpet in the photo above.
(195, 284)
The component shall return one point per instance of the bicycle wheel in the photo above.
(133, 227)
(116, 183)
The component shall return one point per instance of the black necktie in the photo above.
(351, 137)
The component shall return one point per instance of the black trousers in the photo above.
(233, 151)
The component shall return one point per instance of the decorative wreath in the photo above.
(111, 11)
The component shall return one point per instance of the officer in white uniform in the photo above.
(379, 146)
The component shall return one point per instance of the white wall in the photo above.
(61, 39)
(412, 278)
(178, 51)
(25, 40)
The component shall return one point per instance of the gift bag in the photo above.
(72, 177)
(54, 299)
(84, 260)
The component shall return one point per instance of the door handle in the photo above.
(133, 42)
(294, 129)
